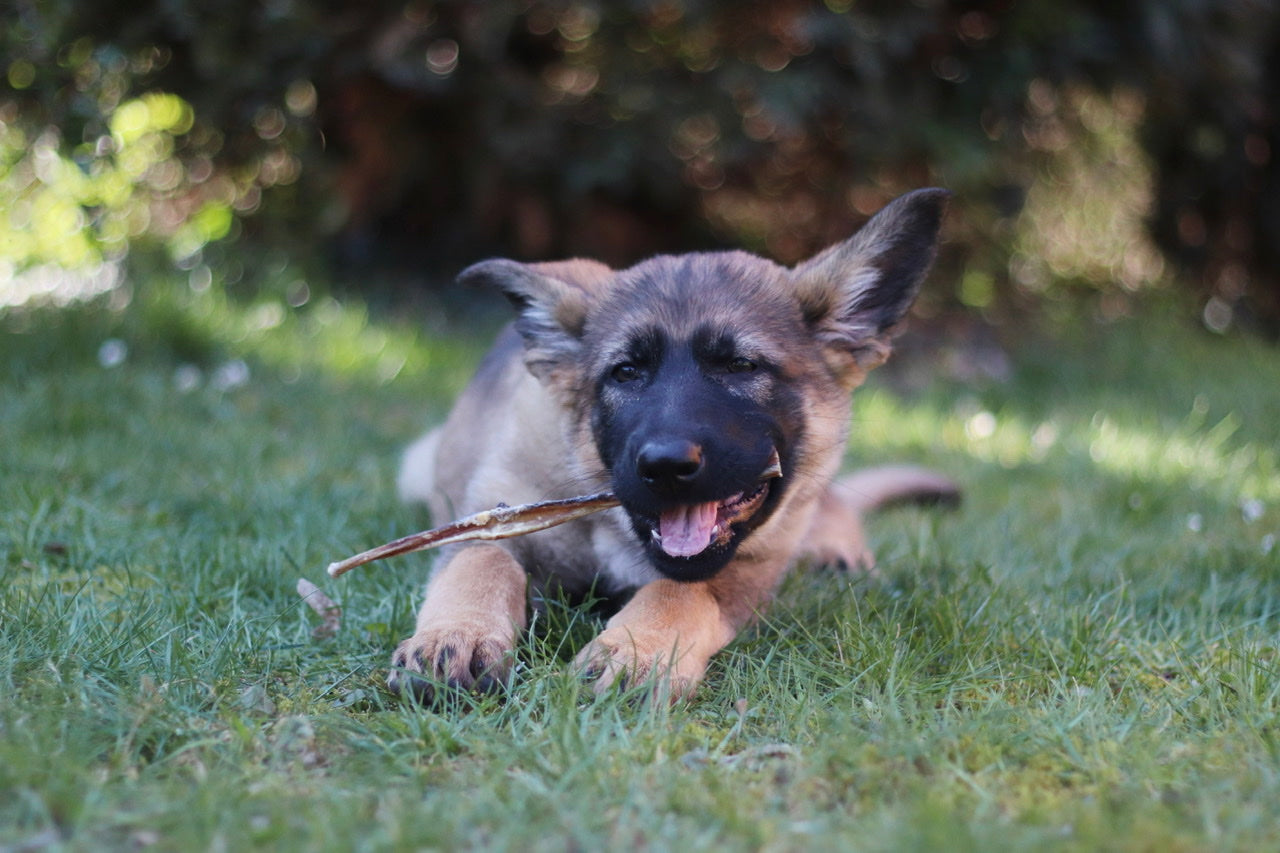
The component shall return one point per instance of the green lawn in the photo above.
(1084, 656)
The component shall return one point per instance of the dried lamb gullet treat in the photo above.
(501, 522)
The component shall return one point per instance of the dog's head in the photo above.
(707, 387)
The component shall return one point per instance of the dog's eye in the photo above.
(625, 372)
(742, 365)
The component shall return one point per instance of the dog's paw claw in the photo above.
(456, 665)
(616, 666)
(844, 560)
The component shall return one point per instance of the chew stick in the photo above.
(501, 522)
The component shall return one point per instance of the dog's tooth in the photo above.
(774, 468)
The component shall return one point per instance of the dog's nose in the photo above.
(669, 464)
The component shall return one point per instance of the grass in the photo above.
(1084, 656)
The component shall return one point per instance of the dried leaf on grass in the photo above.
(330, 613)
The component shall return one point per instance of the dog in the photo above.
(711, 393)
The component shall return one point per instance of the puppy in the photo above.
(711, 393)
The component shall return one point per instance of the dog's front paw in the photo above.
(624, 657)
(459, 657)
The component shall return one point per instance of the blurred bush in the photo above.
(1103, 146)
(86, 206)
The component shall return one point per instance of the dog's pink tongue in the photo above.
(687, 530)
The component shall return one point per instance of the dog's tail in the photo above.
(891, 485)
(417, 480)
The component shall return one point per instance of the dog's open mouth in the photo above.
(686, 531)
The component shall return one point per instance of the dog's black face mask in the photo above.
(696, 437)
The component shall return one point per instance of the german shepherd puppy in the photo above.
(710, 393)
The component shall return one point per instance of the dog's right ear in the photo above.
(552, 299)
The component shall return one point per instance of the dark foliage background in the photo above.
(417, 136)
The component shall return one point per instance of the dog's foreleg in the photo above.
(468, 625)
(667, 632)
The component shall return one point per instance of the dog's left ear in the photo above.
(854, 293)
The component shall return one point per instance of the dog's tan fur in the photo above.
(522, 432)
